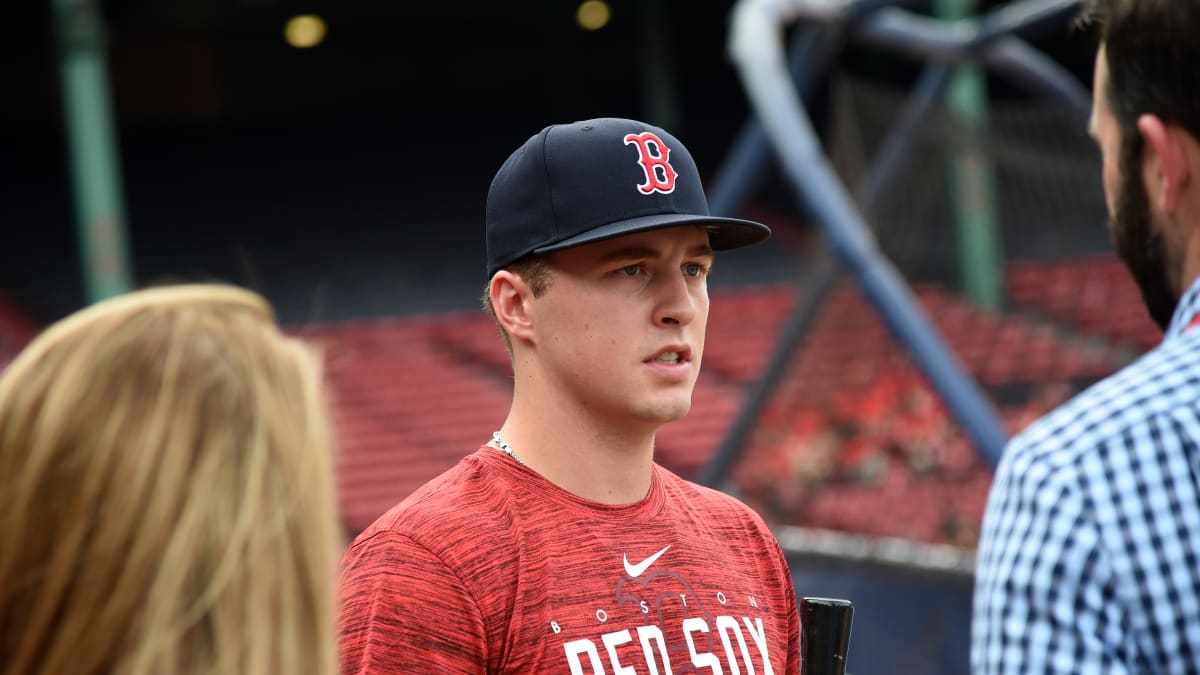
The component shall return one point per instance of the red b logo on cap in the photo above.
(660, 175)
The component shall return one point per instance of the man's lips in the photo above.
(671, 355)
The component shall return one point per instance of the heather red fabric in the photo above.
(490, 568)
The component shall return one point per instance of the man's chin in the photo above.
(1161, 306)
(664, 412)
(1149, 273)
(1142, 247)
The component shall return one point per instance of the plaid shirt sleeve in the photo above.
(1089, 558)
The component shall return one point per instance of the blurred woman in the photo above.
(166, 493)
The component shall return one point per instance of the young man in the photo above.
(560, 546)
(1090, 554)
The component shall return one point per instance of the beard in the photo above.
(1143, 248)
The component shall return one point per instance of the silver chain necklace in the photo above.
(506, 447)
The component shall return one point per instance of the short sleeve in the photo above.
(404, 611)
(793, 611)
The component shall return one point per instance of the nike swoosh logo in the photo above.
(636, 570)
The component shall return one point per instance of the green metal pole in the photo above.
(92, 146)
(972, 184)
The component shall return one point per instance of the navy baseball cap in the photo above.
(577, 183)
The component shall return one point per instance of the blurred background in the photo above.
(345, 179)
(335, 156)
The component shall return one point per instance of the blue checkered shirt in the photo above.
(1089, 558)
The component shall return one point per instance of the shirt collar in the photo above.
(1186, 311)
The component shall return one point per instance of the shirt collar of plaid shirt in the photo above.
(1187, 312)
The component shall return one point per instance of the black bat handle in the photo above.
(824, 635)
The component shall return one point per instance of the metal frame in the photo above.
(775, 85)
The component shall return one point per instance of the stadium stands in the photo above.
(854, 439)
(854, 433)
(1093, 294)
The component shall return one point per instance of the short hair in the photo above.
(537, 273)
(166, 493)
(1151, 48)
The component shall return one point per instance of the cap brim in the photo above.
(723, 233)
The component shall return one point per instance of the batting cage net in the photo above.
(857, 460)
(1040, 170)
(856, 439)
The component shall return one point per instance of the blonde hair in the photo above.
(166, 493)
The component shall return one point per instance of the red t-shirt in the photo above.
(490, 568)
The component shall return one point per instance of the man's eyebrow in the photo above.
(629, 253)
(636, 252)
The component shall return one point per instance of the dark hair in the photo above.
(1151, 50)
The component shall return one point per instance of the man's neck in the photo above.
(581, 455)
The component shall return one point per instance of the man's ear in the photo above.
(1167, 166)
(511, 298)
